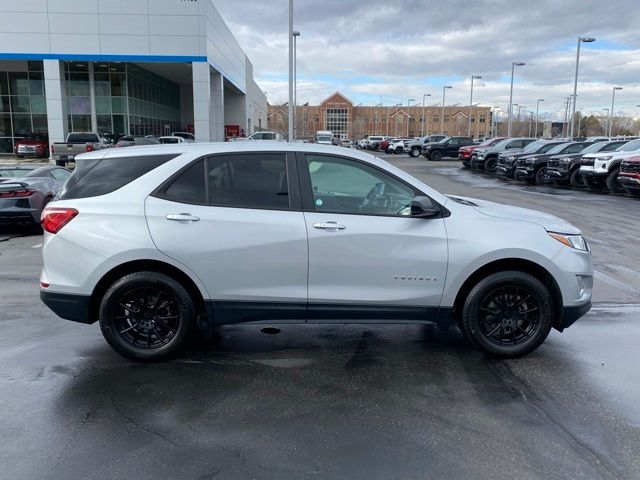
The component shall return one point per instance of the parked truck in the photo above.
(324, 137)
(77, 142)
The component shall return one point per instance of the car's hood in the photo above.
(510, 153)
(549, 222)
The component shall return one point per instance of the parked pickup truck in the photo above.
(486, 158)
(77, 143)
(600, 170)
(533, 168)
(565, 169)
(629, 177)
(507, 159)
(445, 148)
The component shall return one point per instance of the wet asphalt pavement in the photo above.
(333, 402)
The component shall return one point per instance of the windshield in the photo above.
(490, 142)
(503, 143)
(557, 149)
(596, 147)
(533, 146)
(14, 173)
(82, 138)
(630, 147)
(324, 138)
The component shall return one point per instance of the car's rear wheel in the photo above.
(576, 179)
(415, 152)
(146, 316)
(612, 181)
(435, 156)
(507, 314)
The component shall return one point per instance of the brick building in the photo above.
(346, 120)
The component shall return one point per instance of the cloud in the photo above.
(369, 49)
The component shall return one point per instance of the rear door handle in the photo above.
(182, 217)
(329, 226)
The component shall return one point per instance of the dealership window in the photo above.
(337, 121)
(22, 102)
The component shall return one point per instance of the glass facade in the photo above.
(22, 104)
(129, 99)
(338, 122)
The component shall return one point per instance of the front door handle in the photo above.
(182, 217)
(331, 226)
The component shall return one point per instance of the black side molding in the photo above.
(571, 315)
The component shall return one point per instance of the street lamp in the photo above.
(513, 67)
(575, 82)
(291, 37)
(444, 90)
(613, 100)
(375, 124)
(537, 115)
(606, 125)
(409, 101)
(295, 34)
(473, 77)
(424, 115)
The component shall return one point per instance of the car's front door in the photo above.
(451, 148)
(236, 221)
(365, 248)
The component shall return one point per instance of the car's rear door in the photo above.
(236, 221)
(366, 253)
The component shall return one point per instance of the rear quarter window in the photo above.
(92, 178)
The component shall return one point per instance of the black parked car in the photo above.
(445, 148)
(486, 158)
(565, 169)
(506, 165)
(533, 168)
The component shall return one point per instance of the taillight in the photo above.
(53, 219)
(20, 193)
(89, 148)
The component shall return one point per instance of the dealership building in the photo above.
(137, 67)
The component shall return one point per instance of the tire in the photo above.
(435, 156)
(149, 306)
(399, 150)
(415, 152)
(523, 317)
(542, 177)
(466, 165)
(612, 181)
(490, 164)
(576, 180)
(19, 156)
(389, 151)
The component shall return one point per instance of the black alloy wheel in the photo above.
(542, 176)
(146, 315)
(435, 156)
(490, 164)
(507, 314)
(576, 179)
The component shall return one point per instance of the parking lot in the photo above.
(330, 401)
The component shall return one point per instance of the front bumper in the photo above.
(593, 173)
(505, 169)
(68, 306)
(629, 183)
(524, 172)
(571, 315)
(558, 174)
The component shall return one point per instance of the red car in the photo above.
(629, 176)
(33, 145)
(464, 153)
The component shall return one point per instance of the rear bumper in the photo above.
(68, 306)
(18, 218)
(571, 315)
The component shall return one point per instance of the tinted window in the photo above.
(170, 140)
(189, 187)
(269, 136)
(92, 178)
(575, 148)
(14, 173)
(345, 186)
(82, 138)
(610, 147)
(547, 147)
(246, 181)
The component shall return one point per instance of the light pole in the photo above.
(356, 130)
(513, 67)
(606, 125)
(613, 100)
(444, 90)
(295, 34)
(375, 121)
(473, 77)
(290, 136)
(424, 115)
(409, 101)
(538, 115)
(575, 82)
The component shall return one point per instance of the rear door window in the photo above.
(258, 181)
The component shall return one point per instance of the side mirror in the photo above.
(423, 207)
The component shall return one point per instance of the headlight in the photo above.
(603, 159)
(574, 241)
(427, 147)
(564, 160)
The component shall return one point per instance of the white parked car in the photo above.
(267, 232)
(188, 137)
(171, 140)
(260, 136)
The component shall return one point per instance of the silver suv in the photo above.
(169, 236)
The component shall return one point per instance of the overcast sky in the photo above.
(393, 50)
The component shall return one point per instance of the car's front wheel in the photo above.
(415, 152)
(576, 180)
(507, 314)
(146, 316)
(612, 181)
(490, 164)
(542, 176)
(435, 156)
